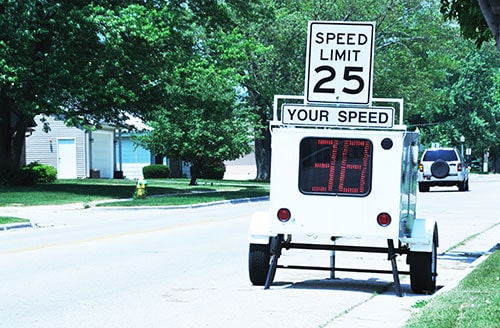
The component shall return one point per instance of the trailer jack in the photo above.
(278, 243)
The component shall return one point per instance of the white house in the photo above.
(77, 153)
(74, 152)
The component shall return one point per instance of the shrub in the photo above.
(46, 173)
(215, 170)
(25, 176)
(29, 175)
(155, 171)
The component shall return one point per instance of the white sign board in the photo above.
(339, 62)
(371, 117)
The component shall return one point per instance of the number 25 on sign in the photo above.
(339, 62)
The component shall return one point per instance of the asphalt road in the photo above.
(188, 268)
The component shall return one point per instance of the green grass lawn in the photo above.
(159, 192)
(474, 303)
(10, 219)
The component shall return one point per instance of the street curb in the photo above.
(10, 226)
(176, 207)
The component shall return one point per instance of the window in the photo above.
(335, 166)
(443, 154)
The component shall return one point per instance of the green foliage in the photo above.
(94, 61)
(156, 171)
(25, 176)
(29, 175)
(468, 14)
(204, 73)
(46, 173)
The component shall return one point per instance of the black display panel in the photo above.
(336, 166)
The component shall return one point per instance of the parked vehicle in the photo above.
(442, 167)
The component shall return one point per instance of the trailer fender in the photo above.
(422, 237)
(259, 228)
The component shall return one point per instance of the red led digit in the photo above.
(333, 165)
(350, 171)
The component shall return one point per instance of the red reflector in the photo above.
(284, 214)
(384, 219)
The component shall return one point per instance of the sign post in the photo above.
(339, 64)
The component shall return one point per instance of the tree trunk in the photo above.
(263, 155)
(491, 13)
(195, 174)
(175, 168)
(12, 135)
(158, 159)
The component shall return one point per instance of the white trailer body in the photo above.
(342, 197)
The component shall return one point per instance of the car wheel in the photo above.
(463, 185)
(440, 169)
(423, 187)
(258, 263)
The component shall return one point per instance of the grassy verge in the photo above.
(159, 192)
(10, 219)
(475, 302)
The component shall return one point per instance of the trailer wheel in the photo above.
(423, 268)
(258, 263)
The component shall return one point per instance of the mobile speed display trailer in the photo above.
(341, 168)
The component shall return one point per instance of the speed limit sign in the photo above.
(339, 62)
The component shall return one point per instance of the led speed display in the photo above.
(335, 166)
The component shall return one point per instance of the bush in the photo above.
(214, 171)
(29, 175)
(155, 171)
(25, 176)
(46, 173)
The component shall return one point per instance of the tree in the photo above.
(206, 126)
(88, 62)
(472, 110)
(207, 121)
(83, 62)
(479, 19)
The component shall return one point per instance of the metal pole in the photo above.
(332, 261)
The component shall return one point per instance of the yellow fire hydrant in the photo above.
(140, 191)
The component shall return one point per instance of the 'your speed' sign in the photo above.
(339, 62)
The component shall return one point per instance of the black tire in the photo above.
(463, 185)
(423, 187)
(423, 268)
(258, 263)
(440, 169)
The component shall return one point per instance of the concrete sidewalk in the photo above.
(388, 310)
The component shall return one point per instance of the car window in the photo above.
(445, 155)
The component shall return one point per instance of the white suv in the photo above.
(442, 167)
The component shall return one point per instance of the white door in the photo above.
(66, 159)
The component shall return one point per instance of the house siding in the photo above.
(43, 147)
